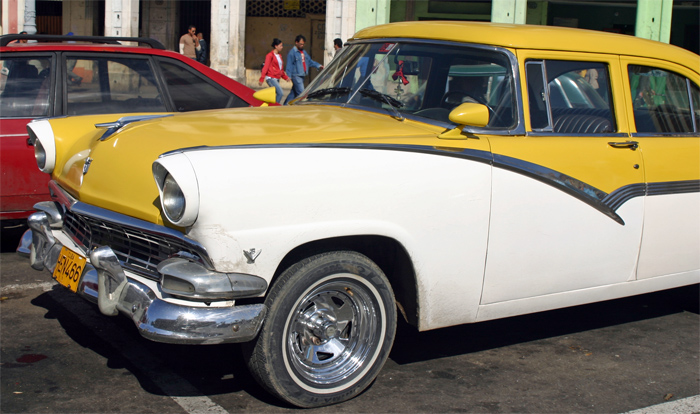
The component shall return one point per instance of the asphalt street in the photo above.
(60, 355)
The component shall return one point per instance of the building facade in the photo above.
(239, 32)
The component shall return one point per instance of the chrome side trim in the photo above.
(470, 154)
(559, 134)
(665, 134)
(618, 197)
(673, 187)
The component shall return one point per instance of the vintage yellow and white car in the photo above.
(441, 172)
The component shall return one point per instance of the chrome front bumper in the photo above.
(104, 282)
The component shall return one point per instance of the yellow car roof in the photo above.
(523, 36)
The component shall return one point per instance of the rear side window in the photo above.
(25, 83)
(191, 92)
(106, 85)
(569, 97)
(663, 102)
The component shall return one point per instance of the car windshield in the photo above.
(418, 79)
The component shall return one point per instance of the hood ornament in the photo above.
(86, 166)
(112, 127)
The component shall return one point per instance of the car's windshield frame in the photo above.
(332, 92)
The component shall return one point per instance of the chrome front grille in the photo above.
(138, 250)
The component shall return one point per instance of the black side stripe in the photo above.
(606, 203)
(622, 194)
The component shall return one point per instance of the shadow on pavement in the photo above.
(10, 234)
(220, 369)
(212, 369)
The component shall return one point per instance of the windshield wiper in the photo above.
(384, 97)
(328, 91)
(378, 96)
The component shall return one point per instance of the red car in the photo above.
(79, 75)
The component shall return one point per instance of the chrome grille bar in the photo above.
(136, 249)
(139, 245)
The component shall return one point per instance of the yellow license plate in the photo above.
(69, 267)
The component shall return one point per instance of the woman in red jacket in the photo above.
(273, 69)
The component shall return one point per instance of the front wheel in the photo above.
(330, 326)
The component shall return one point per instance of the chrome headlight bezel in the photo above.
(178, 188)
(41, 134)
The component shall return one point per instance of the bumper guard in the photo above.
(104, 282)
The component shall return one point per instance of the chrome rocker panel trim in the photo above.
(104, 283)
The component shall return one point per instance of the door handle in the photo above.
(627, 144)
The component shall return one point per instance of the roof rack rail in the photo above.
(153, 43)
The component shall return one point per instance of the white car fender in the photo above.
(272, 199)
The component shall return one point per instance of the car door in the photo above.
(665, 107)
(26, 86)
(567, 203)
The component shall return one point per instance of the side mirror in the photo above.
(267, 95)
(471, 114)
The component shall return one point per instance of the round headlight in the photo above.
(173, 199)
(40, 155)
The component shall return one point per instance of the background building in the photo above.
(239, 32)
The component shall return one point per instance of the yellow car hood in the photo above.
(119, 175)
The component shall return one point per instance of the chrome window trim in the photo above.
(689, 89)
(559, 134)
(665, 134)
(543, 70)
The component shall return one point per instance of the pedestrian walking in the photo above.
(273, 69)
(298, 63)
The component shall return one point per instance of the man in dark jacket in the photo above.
(203, 52)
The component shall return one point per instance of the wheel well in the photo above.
(387, 253)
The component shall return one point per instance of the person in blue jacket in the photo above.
(298, 64)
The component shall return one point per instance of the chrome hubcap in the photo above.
(332, 332)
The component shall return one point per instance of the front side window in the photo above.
(663, 102)
(569, 97)
(418, 79)
(25, 83)
(105, 85)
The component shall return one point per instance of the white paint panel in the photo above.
(276, 199)
(582, 296)
(544, 241)
(671, 236)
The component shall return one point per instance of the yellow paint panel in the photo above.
(588, 159)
